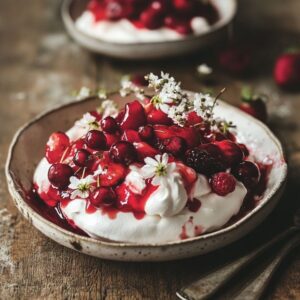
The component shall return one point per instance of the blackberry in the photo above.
(206, 159)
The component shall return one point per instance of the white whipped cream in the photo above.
(123, 31)
(215, 212)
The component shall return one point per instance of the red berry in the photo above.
(59, 175)
(206, 159)
(255, 107)
(113, 173)
(287, 71)
(223, 183)
(96, 140)
(152, 18)
(144, 150)
(244, 149)
(183, 5)
(248, 173)
(193, 118)
(109, 125)
(156, 116)
(131, 136)
(146, 133)
(231, 151)
(82, 158)
(235, 60)
(122, 152)
(111, 139)
(103, 196)
(134, 116)
(139, 80)
(174, 145)
(56, 146)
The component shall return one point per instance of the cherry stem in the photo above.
(64, 154)
(216, 99)
(98, 181)
(83, 173)
(77, 171)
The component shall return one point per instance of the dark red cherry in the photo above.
(82, 158)
(109, 125)
(123, 152)
(248, 173)
(96, 140)
(103, 196)
(146, 133)
(59, 175)
(152, 18)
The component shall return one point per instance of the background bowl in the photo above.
(27, 149)
(72, 9)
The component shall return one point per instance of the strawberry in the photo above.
(287, 70)
(231, 151)
(156, 116)
(144, 150)
(189, 134)
(188, 174)
(174, 145)
(131, 136)
(134, 116)
(56, 146)
(113, 173)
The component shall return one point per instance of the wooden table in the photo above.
(40, 66)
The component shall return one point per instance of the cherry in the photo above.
(122, 152)
(57, 144)
(82, 158)
(152, 18)
(248, 173)
(134, 116)
(96, 140)
(103, 196)
(109, 125)
(59, 175)
(174, 145)
(146, 133)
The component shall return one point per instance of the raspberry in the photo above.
(206, 159)
(223, 183)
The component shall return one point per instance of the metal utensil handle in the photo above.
(256, 288)
(208, 285)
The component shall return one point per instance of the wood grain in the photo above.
(40, 66)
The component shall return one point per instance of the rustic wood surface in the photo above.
(40, 66)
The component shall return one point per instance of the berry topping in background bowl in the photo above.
(135, 172)
(155, 20)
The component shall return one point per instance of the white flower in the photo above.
(204, 69)
(83, 93)
(108, 108)
(158, 169)
(81, 187)
(88, 122)
(128, 87)
(99, 171)
(200, 100)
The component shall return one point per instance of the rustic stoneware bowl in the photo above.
(72, 9)
(27, 149)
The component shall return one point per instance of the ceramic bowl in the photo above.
(72, 9)
(27, 149)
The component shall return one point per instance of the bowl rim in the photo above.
(16, 195)
(69, 23)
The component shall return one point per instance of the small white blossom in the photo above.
(81, 187)
(88, 122)
(204, 69)
(158, 169)
(83, 93)
(128, 87)
(108, 108)
(99, 171)
(102, 94)
(200, 100)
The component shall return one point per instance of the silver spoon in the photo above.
(210, 284)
